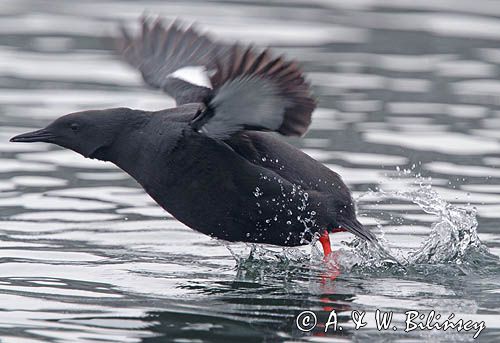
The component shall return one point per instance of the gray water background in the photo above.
(86, 256)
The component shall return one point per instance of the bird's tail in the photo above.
(355, 227)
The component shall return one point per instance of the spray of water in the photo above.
(452, 240)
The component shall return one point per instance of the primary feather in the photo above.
(247, 89)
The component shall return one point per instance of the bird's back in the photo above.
(271, 152)
(221, 173)
(210, 187)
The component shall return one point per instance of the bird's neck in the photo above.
(126, 147)
(145, 150)
(126, 153)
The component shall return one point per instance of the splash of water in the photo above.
(453, 240)
(452, 236)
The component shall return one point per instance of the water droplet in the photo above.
(257, 192)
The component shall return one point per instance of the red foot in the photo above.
(324, 239)
(330, 258)
(332, 268)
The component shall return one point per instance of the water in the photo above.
(86, 256)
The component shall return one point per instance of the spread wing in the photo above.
(254, 91)
(249, 90)
(160, 53)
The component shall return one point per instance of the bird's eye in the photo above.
(74, 127)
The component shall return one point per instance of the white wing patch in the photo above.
(196, 75)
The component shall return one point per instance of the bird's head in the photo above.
(88, 133)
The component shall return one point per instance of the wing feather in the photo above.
(250, 89)
(159, 51)
(255, 91)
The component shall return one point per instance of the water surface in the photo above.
(408, 96)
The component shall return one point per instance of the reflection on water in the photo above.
(86, 256)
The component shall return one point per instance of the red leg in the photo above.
(333, 269)
(324, 239)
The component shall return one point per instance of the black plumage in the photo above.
(212, 162)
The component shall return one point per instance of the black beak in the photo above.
(42, 135)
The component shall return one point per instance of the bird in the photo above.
(216, 161)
